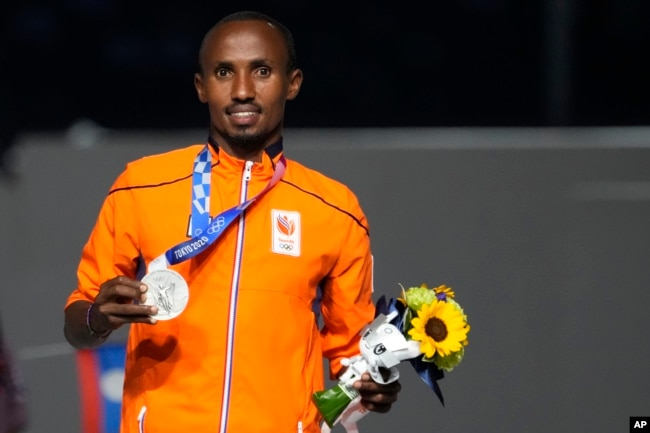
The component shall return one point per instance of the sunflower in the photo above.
(444, 292)
(440, 328)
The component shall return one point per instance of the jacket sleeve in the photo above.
(112, 247)
(347, 291)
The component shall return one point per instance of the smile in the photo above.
(244, 114)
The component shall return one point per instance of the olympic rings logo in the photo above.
(286, 247)
(216, 225)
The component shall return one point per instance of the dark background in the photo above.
(130, 65)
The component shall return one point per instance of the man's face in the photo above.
(245, 83)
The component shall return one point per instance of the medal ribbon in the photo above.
(204, 230)
(201, 191)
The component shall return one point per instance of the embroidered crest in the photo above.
(286, 232)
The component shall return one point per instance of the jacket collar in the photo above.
(272, 150)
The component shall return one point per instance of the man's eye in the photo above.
(221, 72)
(264, 71)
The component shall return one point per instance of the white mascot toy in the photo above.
(382, 345)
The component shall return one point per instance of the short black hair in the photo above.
(286, 34)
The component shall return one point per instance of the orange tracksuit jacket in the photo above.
(247, 352)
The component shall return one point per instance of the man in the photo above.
(240, 261)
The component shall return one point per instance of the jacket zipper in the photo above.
(141, 415)
(234, 292)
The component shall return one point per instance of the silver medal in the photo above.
(168, 291)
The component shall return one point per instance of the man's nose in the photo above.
(243, 88)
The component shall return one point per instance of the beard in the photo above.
(247, 140)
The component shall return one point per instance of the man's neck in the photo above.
(252, 153)
(243, 154)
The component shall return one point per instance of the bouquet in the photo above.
(426, 327)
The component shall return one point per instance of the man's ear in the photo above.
(200, 88)
(295, 81)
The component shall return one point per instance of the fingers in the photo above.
(122, 290)
(119, 302)
(119, 314)
(375, 396)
